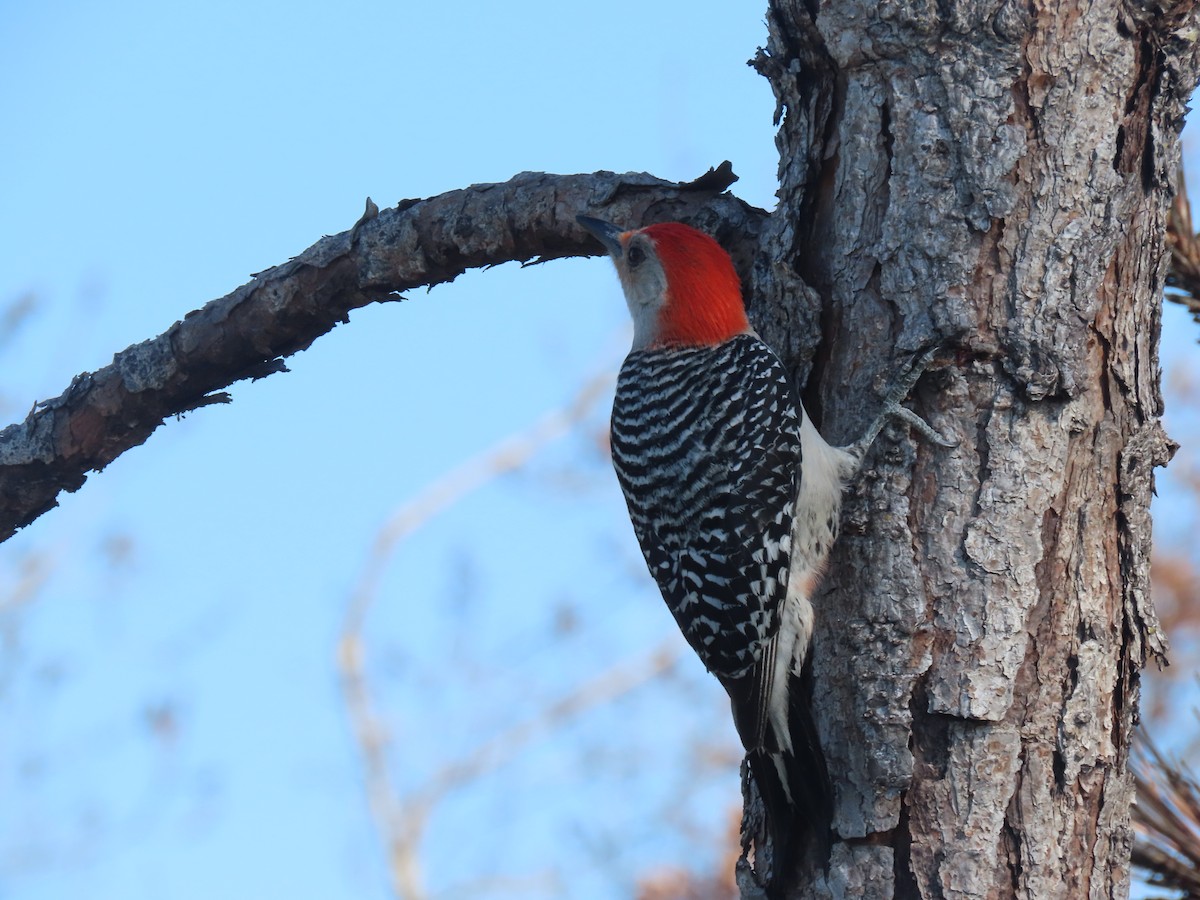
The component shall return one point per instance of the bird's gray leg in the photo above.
(892, 409)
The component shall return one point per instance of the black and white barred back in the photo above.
(706, 446)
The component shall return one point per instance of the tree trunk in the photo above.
(994, 177)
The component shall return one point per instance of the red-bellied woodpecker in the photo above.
(735, 499)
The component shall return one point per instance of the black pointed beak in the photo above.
(605, 232)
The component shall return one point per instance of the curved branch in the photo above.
(249, 332)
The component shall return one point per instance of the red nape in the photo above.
(704, 296)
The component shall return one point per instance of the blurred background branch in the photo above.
(402, 820)
(1166, 821)
(1184, 273)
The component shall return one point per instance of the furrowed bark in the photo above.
(994, 177)
(248, 333)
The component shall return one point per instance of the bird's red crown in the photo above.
(704, 296)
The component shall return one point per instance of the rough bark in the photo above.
(248, 333)
(993, 176)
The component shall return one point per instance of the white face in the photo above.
(645, 285)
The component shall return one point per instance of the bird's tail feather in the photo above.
(796, 793)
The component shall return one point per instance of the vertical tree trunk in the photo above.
(994, 176)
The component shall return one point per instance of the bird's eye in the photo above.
(635, 255)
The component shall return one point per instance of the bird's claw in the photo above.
(927, 431)
(909, 376)
(892, 409)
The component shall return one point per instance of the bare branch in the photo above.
(1166, 819)
(402, 821)
(1184, 274)
(605, 688)
(249, 332)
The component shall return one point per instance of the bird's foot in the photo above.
(893, 410)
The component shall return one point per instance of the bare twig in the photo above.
(402, 821)
(1184, 274)
(604, 688)
(680, 884)
(15, 314)
(248, 333)
(1166, 821)
(31, 573)
(509, 455)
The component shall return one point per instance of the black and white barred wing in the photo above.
(728, 593)
(706, 446)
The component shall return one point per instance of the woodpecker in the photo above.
(735, 499)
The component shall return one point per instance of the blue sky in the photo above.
(170, 719)
(172, 724)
